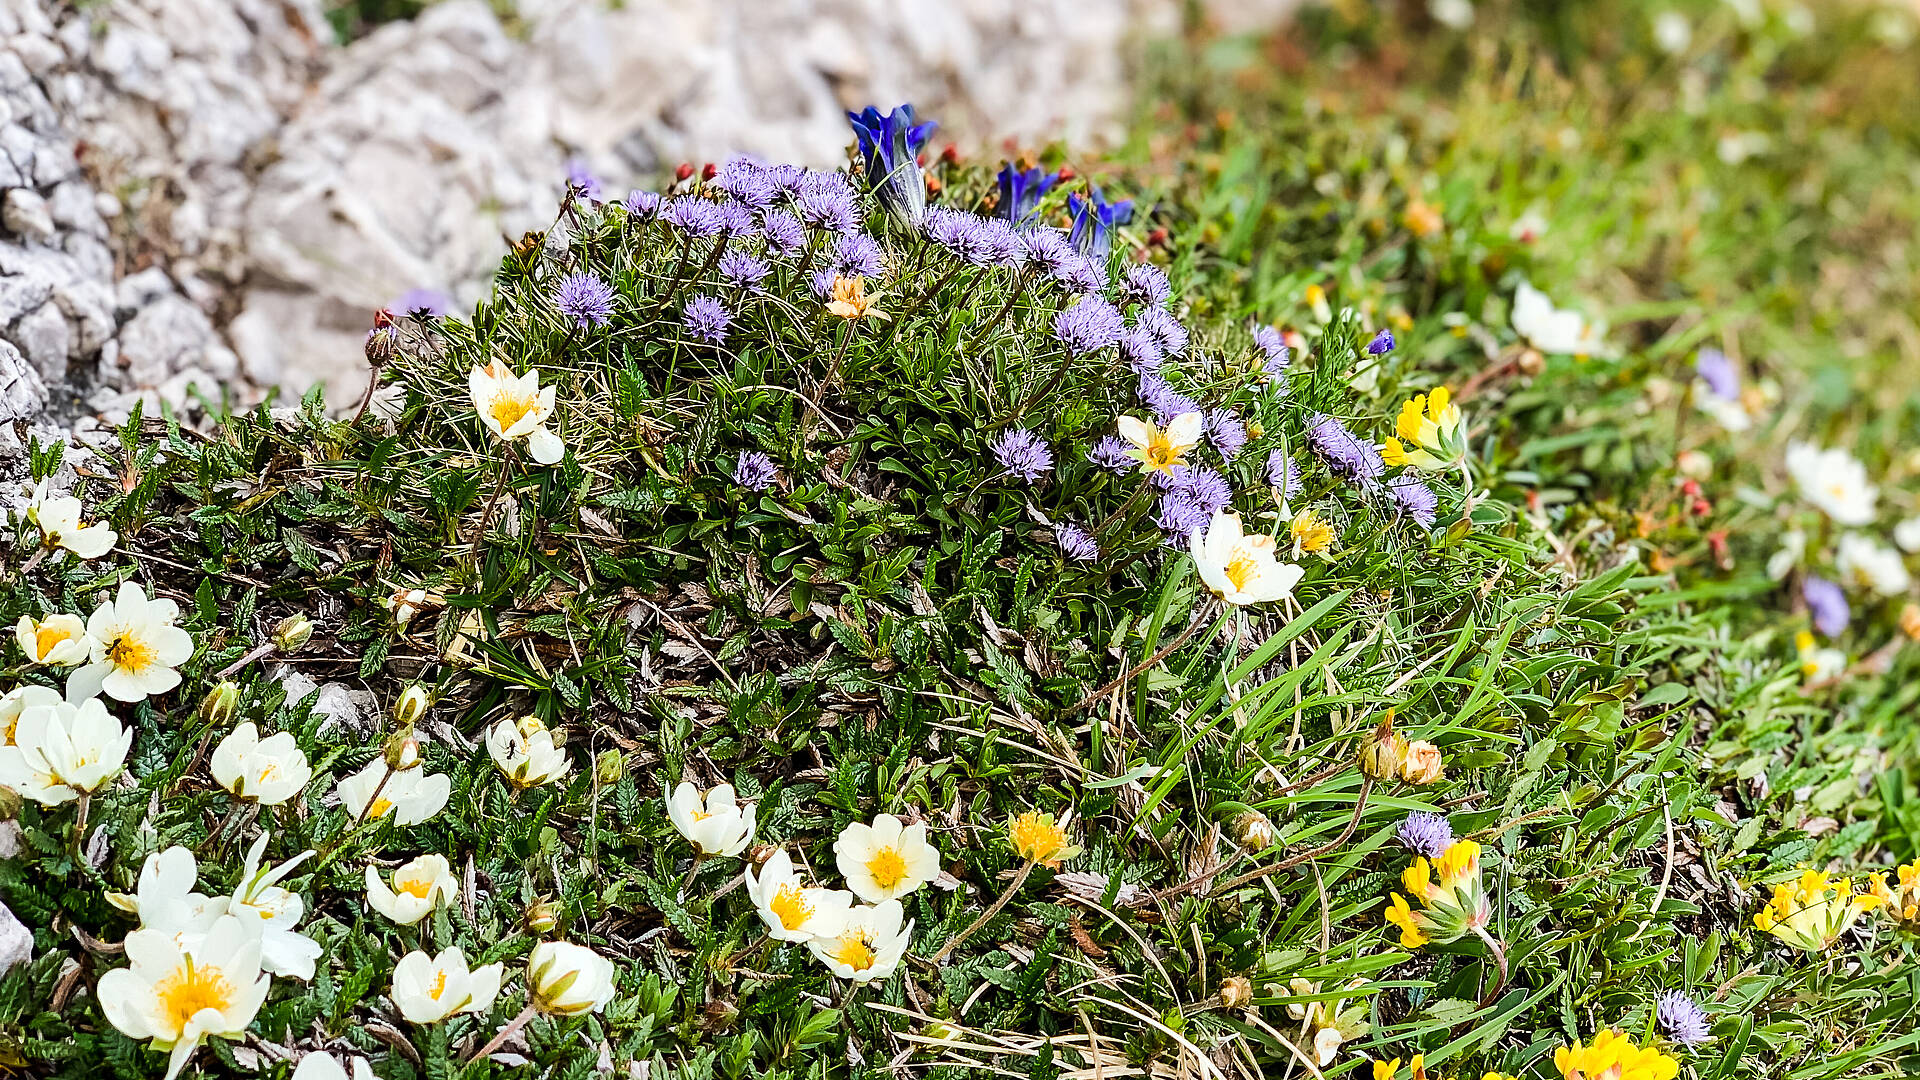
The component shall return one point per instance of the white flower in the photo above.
(885, 860)
(526, 753)
(321, 1065)
(1452, 14)
(716, 825)
(427, 990)
(59, 640)
(1833, 481)
(869, 945)
(1793, 548)
(60, 524)
(1672, 32)
(1729, 413)
(1819, 664)
(418, 887)
(793, 910)
(179, 997)
(1529, 226)
(135, 647)
(18, 699)
(1552, 330)
(405, 603)
(1870, 565)
(273, 912)
(1158, 449)
(564, 979)
(1907, 535)
(165, 901)
(61, 750)
(268, 771)
(411, 795)
(1238, 568)
(515, 407)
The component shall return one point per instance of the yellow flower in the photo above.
(1038, 838)
(1814, 911)
(1311, 534)
(850, 299)
(1422, 218)
(1613, 1056)
(1903, 900)
(1384, 1070)
(1400, 915)
(1452, 901)
(1430, 433)
(1160, 449)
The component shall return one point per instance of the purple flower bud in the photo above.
(1273, 345)
(586, 300)
(640, 203)
(1718, 372)
(1828, 605)
(706, 318)
(1075, 542)
(753, 471)
(1048, 250)
(1021, 453)
(1426, 834)
(1382, 344)
(830, 208)
(1088, 326)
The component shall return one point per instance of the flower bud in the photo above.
(412, 705)
(221, 702)
(10, 804)
(1423, 764)
(293, 633)
(541, 916)
(609, 767)
(564, 979)
(1236, 993)
(1252, 830)
(1383, 752)
(402, 751)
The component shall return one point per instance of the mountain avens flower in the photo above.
(57, 640)
(1613, 1056)
(527, 754)
(1238, 568)
(62, 751)
(1552, 330)
(1866, 563)
(268, 771)
(179, 996)
(1038, 838)
(715, 824)
(515, 407)
(792, 909)
(135, 648)
(411, 795)
(890, 146)
(1834, 481)
(419, 886)
(1161, 450)
(585, 300)
(564, 979)
(58, 517)
(1813, 911)
(1431, 433)
(1094, 220)
(1021, 191)
(885, 860)
(428, 989)
(1022, 454)
(869, 944)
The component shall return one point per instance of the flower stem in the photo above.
(480, 530)
(504, 1033)
(1200, 618)
(375, 797)
(80, 809)
(257, 652)
(953, 943)
(1499, 959)
(685, 882)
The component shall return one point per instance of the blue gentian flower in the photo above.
(890, 146)
(1094, 220)
(1382, 343)
(1021, 191)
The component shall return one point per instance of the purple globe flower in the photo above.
(1684, 1021)
(1048, 250)
(1162, 400)
(858, 256)
(742, 270)
(746, 180)
(1165, 329)
(1083, 275)
(1382, 343)
(1718, 372)
(786, 178)
(890, 148)
(1206, 487)
(1001, 246)
(695, 217)
(1141, 351)
(950, 229)
(1147, 284)
(1088, 326)
(783, 232)
(1345, 453)
(1426, 834)
(829, 207)
(753, 471)
(586, 300)
(1282, 473)
(1227, 432)
(1180, 515)
(430, 302)
(1111, 453)
(822, 283)
(641, 203)
(581, 179)
(706, 318)
(1094, 220)
(1828, 605)
(1273, 345)
(736, 218)
(1021, 453)
(1415, 499)
(1021, 191)
(1075, 542)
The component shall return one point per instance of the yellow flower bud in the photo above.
(293, 633)
(220, 704)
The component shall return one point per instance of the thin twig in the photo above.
(986, 916)
(1200, 617)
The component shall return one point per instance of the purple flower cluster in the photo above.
(1141, 351)
(581, 179)
(1344, 452)
(1075, 542)
(783, 232)
(1207, 488)
(858, 256)
(736, 218)
(1111, 453)
(1227, 432)
(1426, 834)
(1147, 284)
(1088, 326)
(1828, 605)
(980, 241)
(828, 206)
(743, 270)
(1179, 516)
(1166, 330)
(1718, 372)
(1414, 498)
(434, 303)
(586, 300)
(695, 217)
(1021, 453)
(1684, 1021)
(1273, 345)
(1282, 473)
(749, 181)
(706, 318)
(753, 471)
(1162, 400)
(641, 203)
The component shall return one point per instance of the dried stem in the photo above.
(986, 916)
(1200, 618)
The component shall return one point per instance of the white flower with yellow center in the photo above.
(1819, 664)
(885, 860)
(1833, 481)
(179, 997)
(428, 989)
(1873, 566)
(564, 979)
(1158, 449)
(418, 887)
(268, 771)
(61, 751)
(165, 899)
(515, 407)
(57, 640)
(1238, 568)
(273, 912)
(868, 945)
(320, 1065)
(410, 795)
(61, 526)
(717, 824)
(526, 752)
(1554, 330)
(1429, 434)
(17, 700)
(792, 909)
(135, 647)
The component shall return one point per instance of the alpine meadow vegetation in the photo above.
(1345, 585)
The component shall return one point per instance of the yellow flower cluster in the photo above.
(1452, 902)
(1613, 1056)
(1902, 901)
(1812, 912)
(1417, 1068)
(1429, 433)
